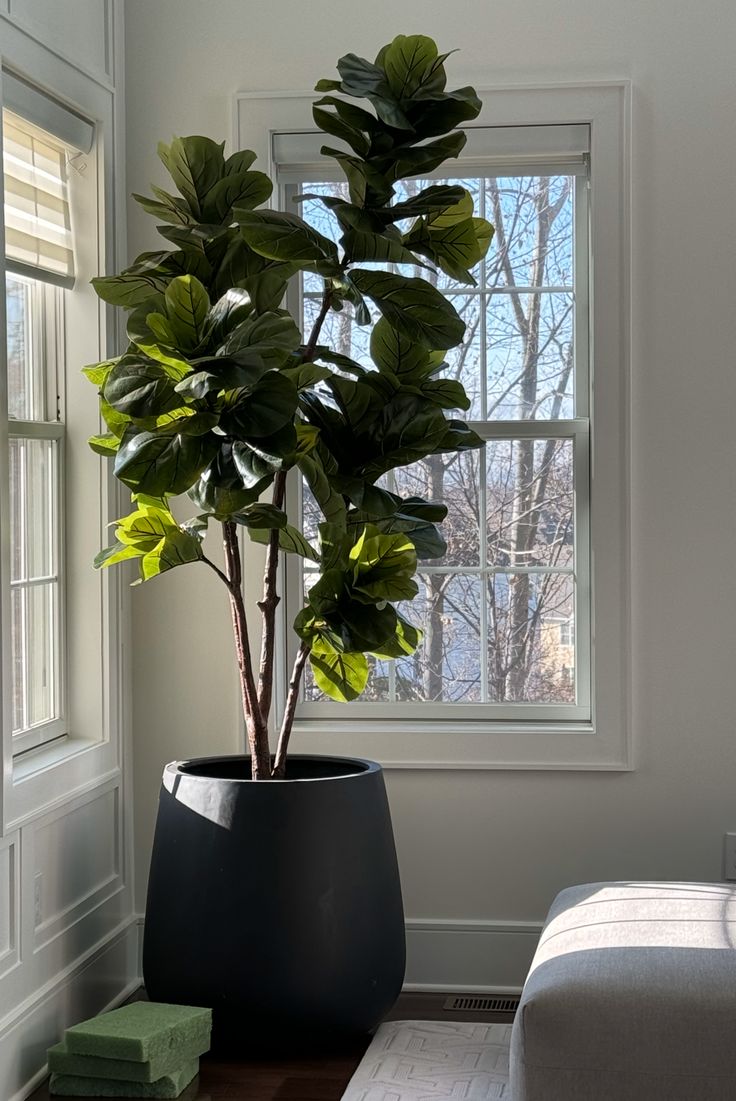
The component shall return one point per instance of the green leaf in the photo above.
(291, 541)
(240, 161)
(220, 490)
(128, 291)
(316, 476)
(195, 164)
(106, 445)
(242, 189)
(165, 207)
(159, 463)
(446, 392)
(361, 79)
(345, 363)
(115, 421)
(342, 677)
(145, 527)
(177, 548)
(281, 236)
(331, 123)
(270, 404)
(140, 388)
(437, 197)
(118, 552)
(267, 338)
(412, 306)
(413, 66)
(399, 354)
(98, 372)
(384, 565)
(419, 159)
(187, 305)
(376, 248)
(443, 113)
(307, 374)
(405, 641)
(262, 515)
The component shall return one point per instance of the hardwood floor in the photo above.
(306, 1078)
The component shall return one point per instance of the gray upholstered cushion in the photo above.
(631, 996)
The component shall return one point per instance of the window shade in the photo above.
(38, 236)
(539, 150)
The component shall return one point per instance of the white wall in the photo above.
(68, 931)
(480, 851)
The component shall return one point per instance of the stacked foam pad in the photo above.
(145, 1049)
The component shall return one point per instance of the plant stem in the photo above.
(268, 606)
(256, 728)
(317, 327)
(279, 766)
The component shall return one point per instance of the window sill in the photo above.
(467, 745)
(52, 774)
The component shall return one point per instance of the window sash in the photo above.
(488, 715)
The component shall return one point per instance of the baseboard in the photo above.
(103, 978)
(474, 957)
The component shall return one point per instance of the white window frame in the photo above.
(604, 741)
(97, 604)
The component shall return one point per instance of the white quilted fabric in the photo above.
(426, 1060)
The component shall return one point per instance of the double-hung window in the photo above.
(39, 272)
(523, 661)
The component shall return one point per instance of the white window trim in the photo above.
(605, 742)
(92, 751)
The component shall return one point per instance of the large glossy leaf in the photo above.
(270, 404)
(291, 541)
(340, 676)
(419, 159)
(187, 305)
(160, 463)
(281, 236)
(437, 197)
(331, 123)
(412, 306)
(129, 291)
(242, 189)
(392, 351)
(448, 393)
(195, 164)
(405, 641)
(220, 490)
(437, 116)
(307, 374)
(361, 79)
(140, 388)
(177, 548)
(376, 248)
(267, 338)
(316, 469)
(383, 566)
(165, 207)
(355, 117)
(106, 445)
(413, 66)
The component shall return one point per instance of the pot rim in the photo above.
(364, 767)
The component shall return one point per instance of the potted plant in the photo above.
(274, 891)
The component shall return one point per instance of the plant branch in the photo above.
(223, 577)
(256, 729)
(279, 766)
(268, 605)
(317, 327)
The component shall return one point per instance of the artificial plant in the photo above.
(219, 393)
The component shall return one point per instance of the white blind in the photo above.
(538, 150)
(38, 232)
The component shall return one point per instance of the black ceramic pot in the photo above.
(278, 903)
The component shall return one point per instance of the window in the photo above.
(525, 658)
(39, 272)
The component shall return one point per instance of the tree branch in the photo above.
(256, 729)
(279, 767)
(268, 605)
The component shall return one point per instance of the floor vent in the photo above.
(473, 1003)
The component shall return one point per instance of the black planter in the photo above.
(278, 904)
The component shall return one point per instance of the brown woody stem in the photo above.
(255, 727)
(268, 605)
(279, 766)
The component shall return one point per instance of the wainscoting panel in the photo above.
(76, 862)
(79, 29)
(9, 903)
(475, 956)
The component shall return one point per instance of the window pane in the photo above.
(530, 356)
(33, 508)
(340, 332)
(529, 502)
(26, 385)
(531, 654)
(453, 480)
(34, 645)
(533, 244)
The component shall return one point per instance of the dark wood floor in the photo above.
(318, 1078)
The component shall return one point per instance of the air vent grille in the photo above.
(473, 1003)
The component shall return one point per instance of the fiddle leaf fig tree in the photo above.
(219, 393)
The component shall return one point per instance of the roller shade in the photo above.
(38, 231)
(539, 150)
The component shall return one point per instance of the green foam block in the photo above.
(171, 1085)
(142, 1032)
(63, 1061)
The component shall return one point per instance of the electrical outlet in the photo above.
(37, 904)
(729, 856)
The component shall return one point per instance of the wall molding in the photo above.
(473, 956)
(98, 981)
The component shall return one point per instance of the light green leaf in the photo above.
(342, 677)
(291, 541)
